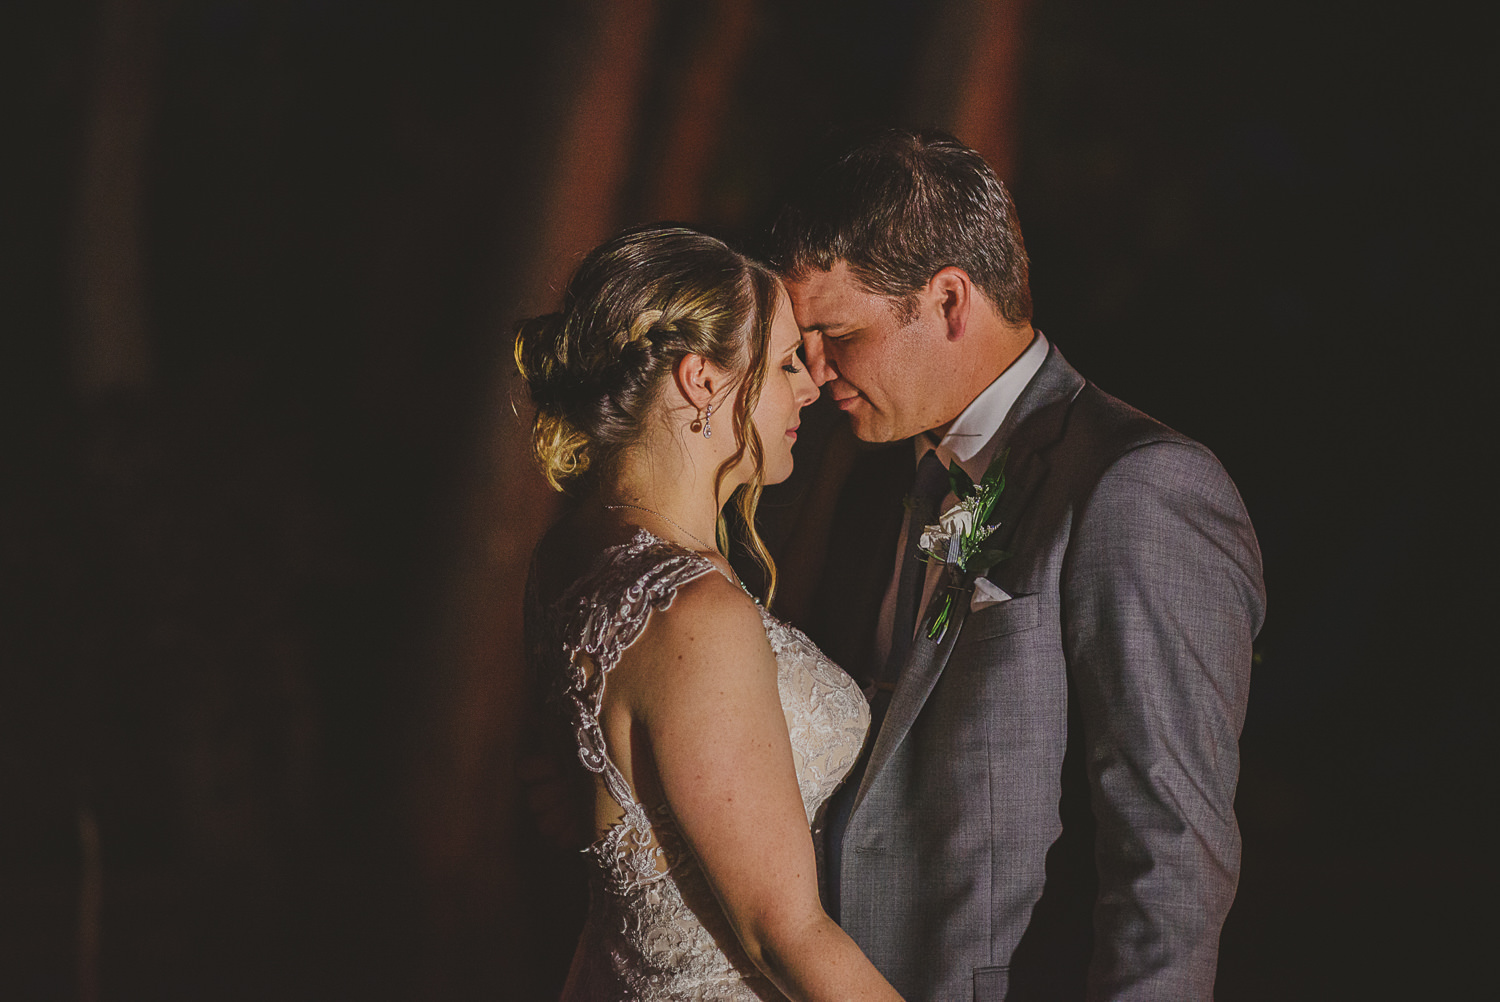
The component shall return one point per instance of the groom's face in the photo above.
(885, 372)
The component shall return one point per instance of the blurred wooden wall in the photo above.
(265, 503)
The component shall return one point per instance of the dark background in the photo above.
(264, 504)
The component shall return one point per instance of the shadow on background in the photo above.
(265, 506)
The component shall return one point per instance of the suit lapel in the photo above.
(924, 663)
(1033, 425)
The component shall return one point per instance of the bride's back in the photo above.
(582, 553)
(714, 732)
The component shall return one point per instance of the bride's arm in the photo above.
(701, 682)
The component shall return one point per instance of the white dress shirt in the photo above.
(970, 440)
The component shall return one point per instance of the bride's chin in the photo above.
(778, 475)
(768, 474)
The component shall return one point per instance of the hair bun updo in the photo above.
(560, 447)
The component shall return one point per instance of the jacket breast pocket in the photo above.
(1020, 613)
(991, 983)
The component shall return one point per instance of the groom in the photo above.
(1045, 810)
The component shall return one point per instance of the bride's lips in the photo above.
(792, 432)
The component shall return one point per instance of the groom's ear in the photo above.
(951, 293)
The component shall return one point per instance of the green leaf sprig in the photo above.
(960, 538)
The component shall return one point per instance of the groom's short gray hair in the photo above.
(899, 206)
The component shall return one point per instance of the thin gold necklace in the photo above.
(670, 521)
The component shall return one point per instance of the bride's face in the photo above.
(787, 389)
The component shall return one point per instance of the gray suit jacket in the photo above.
(1047, 811)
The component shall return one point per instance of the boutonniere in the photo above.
(958, 539)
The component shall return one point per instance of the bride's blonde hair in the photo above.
(637, 304)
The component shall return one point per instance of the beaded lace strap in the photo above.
(602, 616)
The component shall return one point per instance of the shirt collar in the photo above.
(971, 438)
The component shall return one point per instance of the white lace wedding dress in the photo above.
(655, 931)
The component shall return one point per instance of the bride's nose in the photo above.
(805, 390)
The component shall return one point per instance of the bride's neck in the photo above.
(672, 486)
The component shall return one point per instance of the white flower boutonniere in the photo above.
(958, 538)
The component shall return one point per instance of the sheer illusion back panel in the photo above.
(655, 930)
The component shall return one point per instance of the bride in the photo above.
(670, 383)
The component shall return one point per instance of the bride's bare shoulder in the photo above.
(711, 627)
(704, 606)
(711, 608)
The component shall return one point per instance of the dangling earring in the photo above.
(708, 430)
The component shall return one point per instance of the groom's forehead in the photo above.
(824, 300)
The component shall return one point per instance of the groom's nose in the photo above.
(817, 359)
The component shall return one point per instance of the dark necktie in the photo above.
(926, 494)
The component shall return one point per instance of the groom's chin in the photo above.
(869, 428)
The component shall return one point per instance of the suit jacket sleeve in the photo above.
(1162, 596)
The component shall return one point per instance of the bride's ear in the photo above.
(697, 380)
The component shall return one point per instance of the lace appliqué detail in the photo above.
(655, 931)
